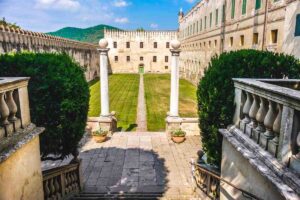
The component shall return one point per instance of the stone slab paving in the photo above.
(139, 162)
(141, 119)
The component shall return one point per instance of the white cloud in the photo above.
(154, 26)
(121, 3)
(71, 5)
(190, 1)
(122, 20)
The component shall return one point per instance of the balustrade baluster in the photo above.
(260, 117)
(253, 110)
(52, 189)
(66, 183)
(4, 110)
(246, 120)
(12, 106)
(252, 114)
(46, 190)
(57, 188)
(273, 145)
(268, 122)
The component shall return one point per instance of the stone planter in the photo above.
(178, 139)
(99, 138)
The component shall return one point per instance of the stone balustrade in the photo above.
(17, 40)
(14, 105)
(268, 112)
(62, 182)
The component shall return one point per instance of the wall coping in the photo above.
(285, 180)
(20, 138)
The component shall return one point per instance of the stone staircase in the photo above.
(132, 196)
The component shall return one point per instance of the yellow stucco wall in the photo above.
(20, 174)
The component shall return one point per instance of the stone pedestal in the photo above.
(173, 123)
(108, 123)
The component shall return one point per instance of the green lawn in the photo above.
(123, 96)
(157, 94)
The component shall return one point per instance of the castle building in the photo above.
(139, 51)
(215, 26)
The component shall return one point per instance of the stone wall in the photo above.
(209, 29)
(21, 175)
(127, 56)
(238, 171)
(20, 40)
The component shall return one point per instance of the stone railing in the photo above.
(268, 111)
(62, 182)
(14, 105)
(17, 40)
(208, 180)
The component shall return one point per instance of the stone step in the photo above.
(95, 196)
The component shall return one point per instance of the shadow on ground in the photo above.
(117, 170)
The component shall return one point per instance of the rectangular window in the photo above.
(255, 39)
(166, 67)
(128, 58)
(115, 45)
(168, 45)
(232, 9)
(242, 40)
(116, 58)
(216, 43)
(274, 36)
(217, 16)
(141, 45)
(155, 45)
(209, 43)
(297, 28)
(166, 58)
(154, 58)
(127, 45)
(257, 4)
(244, 7)
(197, 29)
(141, 58)
(223, 13)
(210, 20)
(231, 42)
(205, 22)
(201, 25)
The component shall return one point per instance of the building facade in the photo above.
(214, 26)
(139, 51)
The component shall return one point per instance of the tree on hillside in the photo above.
(7, 24)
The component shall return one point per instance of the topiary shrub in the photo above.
(216, 89)
(59, 97)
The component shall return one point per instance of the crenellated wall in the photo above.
(85, 54)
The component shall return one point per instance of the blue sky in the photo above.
(51, 15)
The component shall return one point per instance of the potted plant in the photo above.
(99, 135)
(178, 136)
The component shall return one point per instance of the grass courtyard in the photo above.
(123, 96)
(157, 94)
(123, 91)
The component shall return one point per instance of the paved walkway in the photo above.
(139, 162)
(141, 119)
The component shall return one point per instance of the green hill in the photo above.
(91, 34)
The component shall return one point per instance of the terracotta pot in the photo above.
(177, 139)
(99, 138)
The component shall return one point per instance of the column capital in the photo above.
(103, 51)
(175, 52)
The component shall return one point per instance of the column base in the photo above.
(107, 123)
(173, 123)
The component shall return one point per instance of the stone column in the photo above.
(106, 120)
(104, 78)
(173, 121)
(174, 98)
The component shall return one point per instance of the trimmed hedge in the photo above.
(216, 90)
(59, 97)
